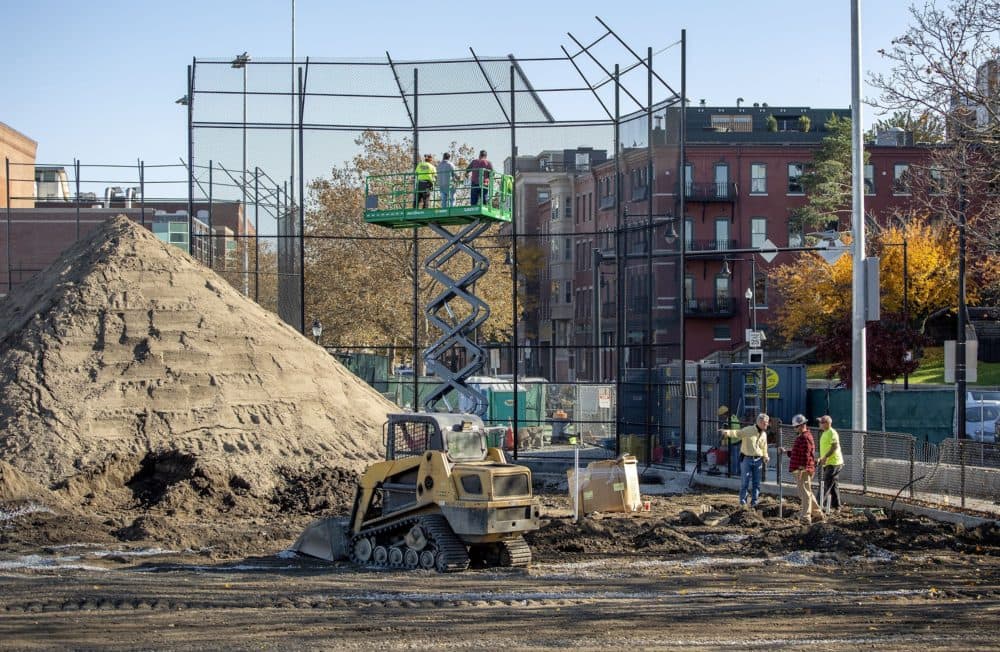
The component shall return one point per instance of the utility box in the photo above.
(608, 486)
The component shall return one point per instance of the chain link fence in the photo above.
(955, 472)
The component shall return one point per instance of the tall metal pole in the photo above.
(256, 234)
(10, 279)
(76, 171)
(648, 354)
(211, 236)
(243, 207)
(190, 161)
(683, 246)
(513, 222)
(291, 131)
(960, 370)
(142, 193)
(416, 250)
(859, 362)
(619, 271)
(596, 335)
(302, 199)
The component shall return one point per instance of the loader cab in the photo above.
(462, 436)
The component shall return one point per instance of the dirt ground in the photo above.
(658, 579)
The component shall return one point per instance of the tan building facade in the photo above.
(17, 153)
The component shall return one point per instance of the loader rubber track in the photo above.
(515, 552)
(450, 554)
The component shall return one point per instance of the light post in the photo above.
(596, 328)
(754, 340)
(240, 62)
(749, 294)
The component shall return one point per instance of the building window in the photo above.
(758, 178)
(795, 171)
(721, 179)
(795, 238)
(688, 178)
(543, 195)
(689, 298)
(869, 179)
(688, 232)
(739, 123)
(567, 250)
(569, 209)
(722, 292)
(569, 291)
(758, 231)
(936, 181)
(901, 179)
(721, 332)
(721, 234)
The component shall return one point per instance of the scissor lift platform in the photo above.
(391, 200)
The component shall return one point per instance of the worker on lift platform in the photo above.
(426, 176)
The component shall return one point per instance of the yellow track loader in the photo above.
(440, 500)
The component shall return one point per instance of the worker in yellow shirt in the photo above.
(832, 458)
(426, 176)
(753, 458)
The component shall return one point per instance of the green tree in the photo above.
(827, 179)
(360, 277)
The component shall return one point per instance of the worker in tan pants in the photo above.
(802, 464)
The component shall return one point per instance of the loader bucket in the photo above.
(326, 539)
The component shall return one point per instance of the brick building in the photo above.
(741, 182)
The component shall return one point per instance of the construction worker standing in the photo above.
(426, 176)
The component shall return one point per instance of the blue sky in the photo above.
(98, 80)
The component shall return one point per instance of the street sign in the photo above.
(755, 339)
(833, 251)
(768, 250)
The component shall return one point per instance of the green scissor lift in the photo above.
(390, 201)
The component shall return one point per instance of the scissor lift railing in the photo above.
(391, 200)
(456, 311)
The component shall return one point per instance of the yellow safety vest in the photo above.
(425, 171)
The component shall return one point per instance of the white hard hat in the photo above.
(798, 420)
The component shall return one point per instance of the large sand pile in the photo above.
(131, 376)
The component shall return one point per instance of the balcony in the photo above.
(701, 246)
(710, 192)
(713, 307)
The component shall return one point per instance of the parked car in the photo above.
(976, 395)
(981, 418)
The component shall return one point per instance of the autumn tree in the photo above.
(946, 66)
(817, 297)
(360, 277)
